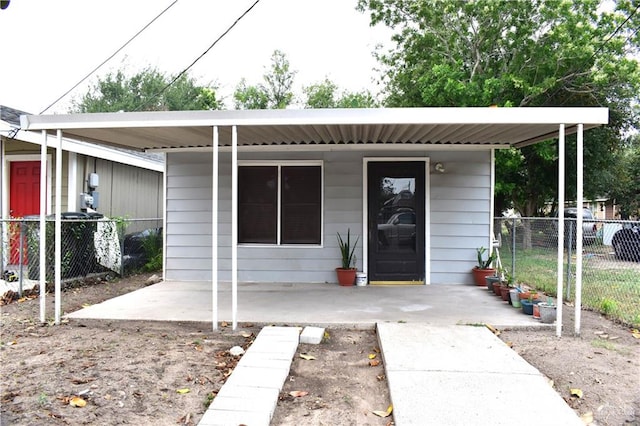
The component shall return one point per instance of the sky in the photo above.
(54, 44)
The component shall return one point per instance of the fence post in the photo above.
(513, 249)
(569, 253)
(20, 258)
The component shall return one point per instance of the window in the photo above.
(280, 204)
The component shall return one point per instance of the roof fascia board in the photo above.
(463, 115)
(339, 147)
(91, 150)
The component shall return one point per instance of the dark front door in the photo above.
(396, 222)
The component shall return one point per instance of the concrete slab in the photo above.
(258, 377)
(313, 304)
(252, 405)
(245, 391)
(461, 375)
(226, 418)
(312, 335)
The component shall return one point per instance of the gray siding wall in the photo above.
(459, 217)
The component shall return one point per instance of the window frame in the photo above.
(280, 164)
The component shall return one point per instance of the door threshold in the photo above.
(396, 282)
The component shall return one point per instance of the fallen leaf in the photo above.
(372, 356)
(76, 401)
(374, 363)
(576, 392)
(246, 334)
(376, 350)
(183, 391)
(509, 344)
(224, 324)
(635, 333)
(307, 357)
(587, 418)
(326, 335)
(380, 377)
(381, 413)
(298, 394)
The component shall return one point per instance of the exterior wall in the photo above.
(125, 190)
(460, 217)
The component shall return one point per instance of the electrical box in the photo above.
(93, 181)
(86, 201)
(96, 199)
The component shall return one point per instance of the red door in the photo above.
(24, 199)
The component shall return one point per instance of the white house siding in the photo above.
(460, 217)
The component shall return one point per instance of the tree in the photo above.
(146, 91)
(529, 53)
(323, 95)
(626, 193)
(275, 94)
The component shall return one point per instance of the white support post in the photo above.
(579, 233)
(561, 183)
(58, 228)
(43, 225)
(234, 227)
(214, 231)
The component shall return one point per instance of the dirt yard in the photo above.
(131, 372)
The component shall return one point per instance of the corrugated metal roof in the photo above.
(490, 127)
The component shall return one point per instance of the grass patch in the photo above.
(610, 287)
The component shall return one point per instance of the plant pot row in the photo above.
(529, 302)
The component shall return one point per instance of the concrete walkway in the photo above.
(452, 375)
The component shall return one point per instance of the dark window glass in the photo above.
(301, 204)
(300, 210)
(257, 204)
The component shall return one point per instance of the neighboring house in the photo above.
(122, 183)
(128, 183)
(305, 175)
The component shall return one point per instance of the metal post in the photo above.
(560, 253)
(569, 255)
(234, 226)
(21, 258)
(42, 226)
(214, 231)
(579, 220)
(58, 233)
(513, 249)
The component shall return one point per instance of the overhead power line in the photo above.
(110, 57)
(184, 71)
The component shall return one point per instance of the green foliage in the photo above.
(324, 95)
(152, 247)
(515, 54)
(277, 91)
(145, 91)
(347, 251)
(608, 306)
(485, 264)
(626, 190)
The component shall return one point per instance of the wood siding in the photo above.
(459, 217)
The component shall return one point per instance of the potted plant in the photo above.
(547, 311)
(347, 272)
(484, 267)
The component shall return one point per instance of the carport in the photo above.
(343, 130)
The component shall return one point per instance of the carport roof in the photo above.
(484, 127)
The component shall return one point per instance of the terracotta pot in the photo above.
(504, 292)
(496, 288)
(479, 275)
(526, 294)
(346, 277)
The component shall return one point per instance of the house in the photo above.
(111, 181)
(264, 193)
(127, 183)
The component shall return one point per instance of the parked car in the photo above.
(589, 228)
(626, 242)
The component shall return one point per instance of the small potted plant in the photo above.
(347, 272)
(484, 268)
(547, 311)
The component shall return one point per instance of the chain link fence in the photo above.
(610, 256)
(90, 246)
